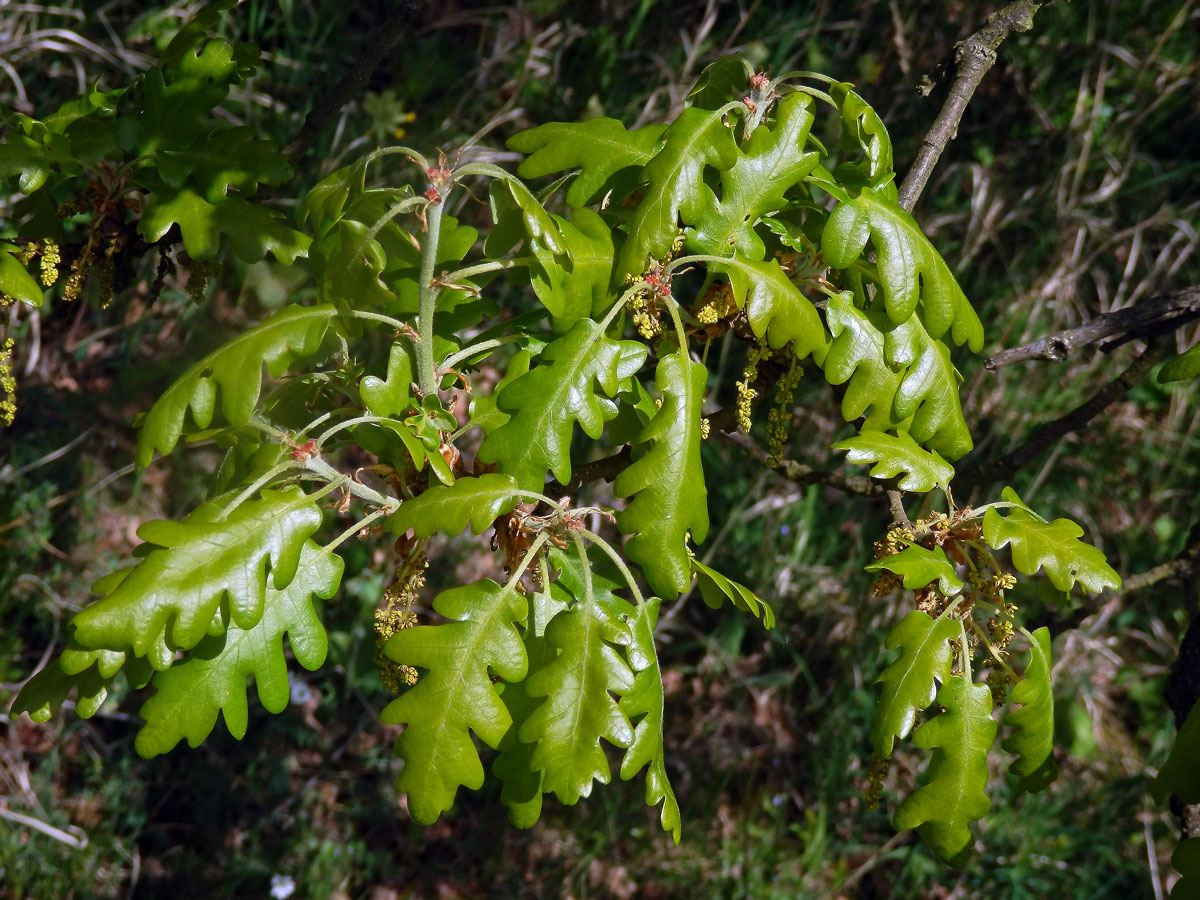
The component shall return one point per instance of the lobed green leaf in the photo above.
(455, 696)
(920, 567)
(550, 398)
(953, 796)
(910, 682)
(1052, 546)
(235, 368)
(775, 308)
(193, 571)
(448, 508)
(578, 682)
(667, 480)
(714, 586)
(674, 180)
(211, 681)
(600, 147)
(643, 706)
(1032, 738)
(897, 454)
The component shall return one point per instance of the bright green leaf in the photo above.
(771, 163)
(953, 795)
(578, 684)
(643, 705)
(212, 679)
(392, 395)
(478, 500)
(548, 400)
(714, 587)
(236, 368)
(774, 306)
(455, 697)
(1032, 738)
(667, 481)
(674, 181)
(921, 567)
(1053, 546)
(16, 281)
(190, 569)
(895, 454)
(910, 682)
(857, 355)
(1186, 861)
(600, 147)
(908, 266)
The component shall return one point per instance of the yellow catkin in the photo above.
(395, 615)
(745, 390)
(8, 383)
(51, 257)
(780, 416)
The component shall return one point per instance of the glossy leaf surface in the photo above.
(1053, 546)
(455, 697)
(1032, 738)
(953, 795)
(910, 682)
(898, 454)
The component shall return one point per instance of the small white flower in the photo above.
(282, 887)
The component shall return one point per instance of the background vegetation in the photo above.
(1070, 191)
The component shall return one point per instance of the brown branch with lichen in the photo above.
(1160, 315)
(974, 57)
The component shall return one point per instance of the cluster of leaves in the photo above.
(805, 254)
(111, 172)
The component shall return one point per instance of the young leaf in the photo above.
(667, 481)
(895, 454)
(1180, 775)
(579, 684)
(857, 356)
(456, 695)
(547, 401)
(1053, 546)
(919, 567)
(910, 682)
(775, 308)
(674, 181)
(322, 207)
(522, 791)
(16, 281)
(236, 368)
(714, 586)
(643, 706)
(480, 501)
(577, 286)
(212, 679)
(953, 795)
(772, 162)
(601, 147)
(190, 569)
(1032, 739)
(1179, 368)
(348, 267)
(928, 390)
(909, 267)
(392, 395)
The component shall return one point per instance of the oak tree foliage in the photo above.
(804, 253)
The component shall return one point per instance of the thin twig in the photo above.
(1162, 314)
(974, 57)
(1050, 433)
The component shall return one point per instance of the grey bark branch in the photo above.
(1161, 315)
(1052, 432)
(973, 58)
